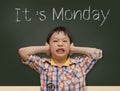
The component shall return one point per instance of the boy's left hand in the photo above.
(71, 48)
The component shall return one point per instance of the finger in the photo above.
(72, 44)
(46, 44)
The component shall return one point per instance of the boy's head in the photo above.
(59, 40)
(58, 30)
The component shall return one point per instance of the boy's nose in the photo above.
(60, 43)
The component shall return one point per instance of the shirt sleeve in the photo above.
(86, 63)
(35, 62)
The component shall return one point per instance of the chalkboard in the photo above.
(27, 22)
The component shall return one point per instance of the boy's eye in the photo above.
(64, 40)
(54, 40)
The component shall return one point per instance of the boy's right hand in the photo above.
(26, 52)
(47, 48)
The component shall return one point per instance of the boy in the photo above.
(60, 72)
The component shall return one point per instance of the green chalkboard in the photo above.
(27, 22)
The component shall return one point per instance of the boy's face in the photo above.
(59, 45)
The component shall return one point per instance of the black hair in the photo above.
(59, 29)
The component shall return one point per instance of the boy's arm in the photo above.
(91, 52)
(26, 52)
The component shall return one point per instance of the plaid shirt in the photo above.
(69, 77)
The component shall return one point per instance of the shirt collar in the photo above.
(67, 63)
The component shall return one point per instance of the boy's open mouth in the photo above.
(60, 50)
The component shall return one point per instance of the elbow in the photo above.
(22, 53)
(100, 54)
(97, 54)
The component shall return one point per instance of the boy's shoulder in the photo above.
(39, 58)
(78, 58)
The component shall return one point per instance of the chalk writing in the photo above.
(87, 14)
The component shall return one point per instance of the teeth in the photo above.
(60, 50)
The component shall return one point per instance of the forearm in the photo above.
(91, 52)
(25, 52)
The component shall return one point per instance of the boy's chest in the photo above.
(66, 74)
